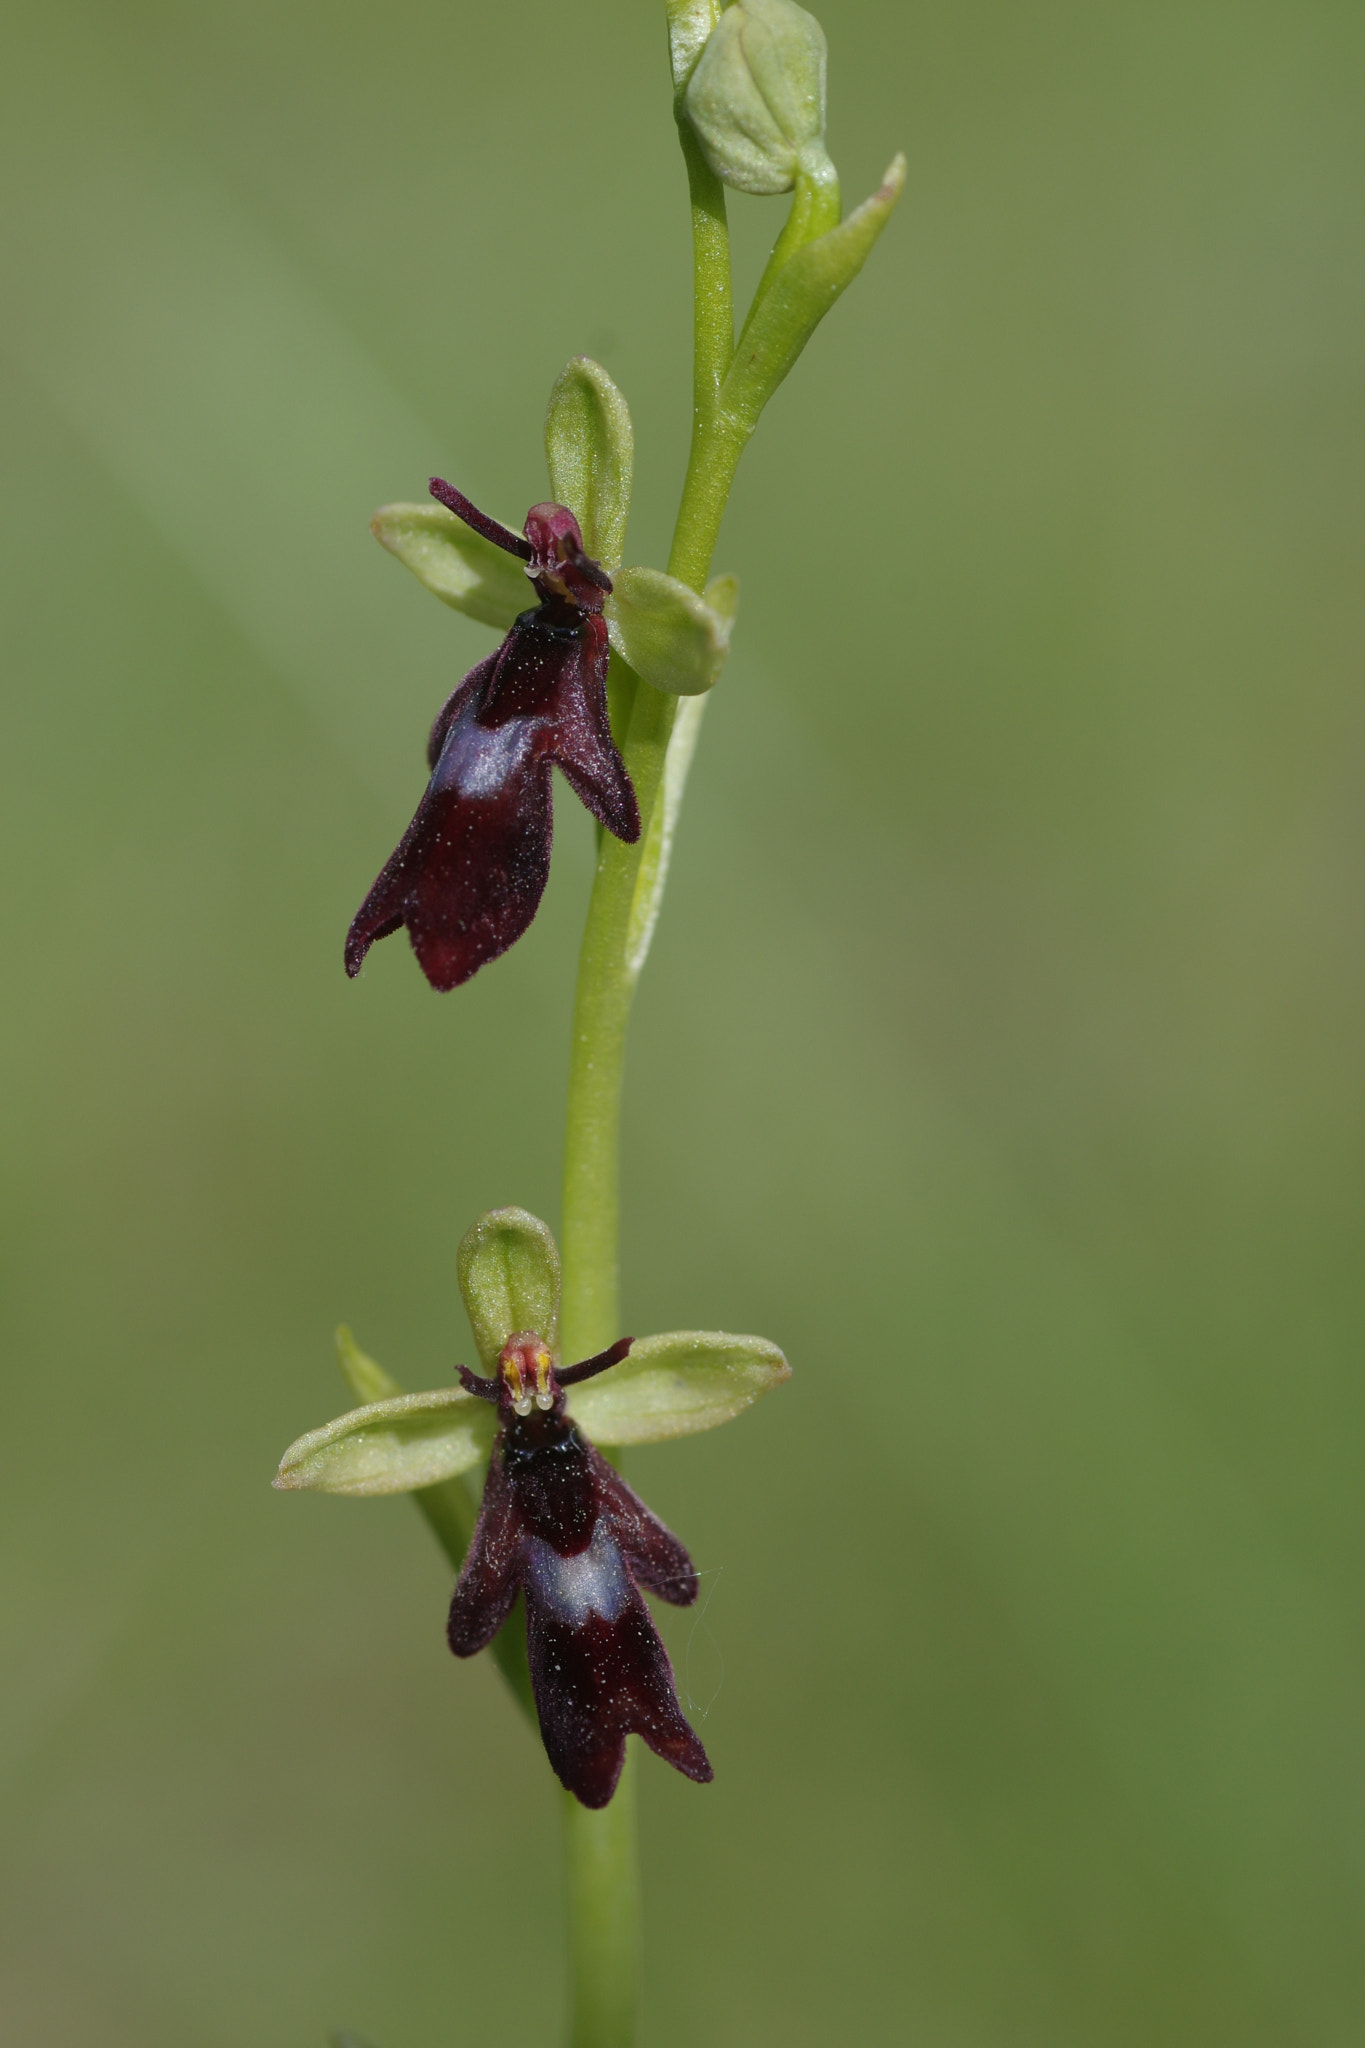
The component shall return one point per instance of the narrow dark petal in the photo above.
(491, 529)
(475, 1383)
(571, 1375)
(656, 1559)
(599, 1672)
(491, 1576)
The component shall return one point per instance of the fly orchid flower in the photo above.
(556, 1522)
(468, 874)
(560, 1526)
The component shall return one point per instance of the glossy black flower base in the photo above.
(560, 1526)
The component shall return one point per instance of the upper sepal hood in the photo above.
(590, 454)
(508, 1270)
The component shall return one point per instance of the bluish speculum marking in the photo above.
(594, 1581)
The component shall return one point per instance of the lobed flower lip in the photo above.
(559, 1526)
(468, 874)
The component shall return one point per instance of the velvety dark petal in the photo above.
(599, 1671)
(656, 1559)
(556, 1486)
(491, 1575)
(470, 870)
(557, 675)
(491, 529)
(467, 877)
(601, 1361)
(474, 687)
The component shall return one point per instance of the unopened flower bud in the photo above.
(757, 97)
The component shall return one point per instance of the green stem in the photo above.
(591, 1315)
(604, 1886)
(601, 1846)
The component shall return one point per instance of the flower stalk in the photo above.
(557, 1531)
(601, 1848)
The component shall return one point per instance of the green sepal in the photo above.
(676, 640)
(756, 96)
(508, 1266)
(677, 1385)
(800, 295)
(366, 1380)
(590, 453)
(463, 569)
(394, 1446)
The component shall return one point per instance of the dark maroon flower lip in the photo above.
(561, 1527)
(468, 874)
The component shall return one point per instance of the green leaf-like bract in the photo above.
(590, 452)
(366, 1380)
(676, 1385)
(797, 300)
(394, 1446)
(508, 1267)
(463, 569)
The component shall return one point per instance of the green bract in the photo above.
(590, 453)
(796, 299)
(756, 97)
(465, 570)
(652, 872)
(366, 1380)
(508, 1266)
(392, 1446)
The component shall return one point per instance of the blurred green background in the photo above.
(999, 1054)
